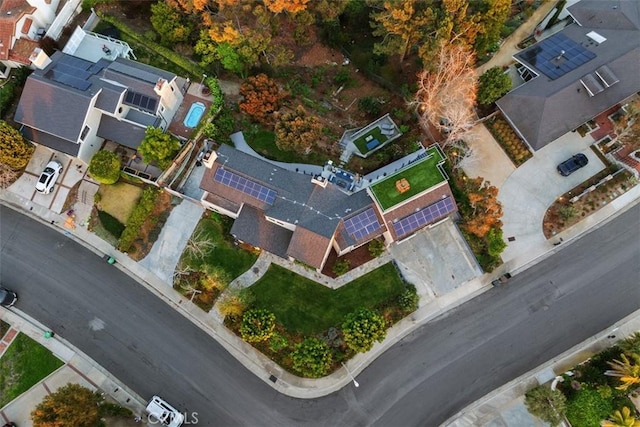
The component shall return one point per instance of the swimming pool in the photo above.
(194, 115)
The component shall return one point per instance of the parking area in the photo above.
(436, 260)
(73, 171)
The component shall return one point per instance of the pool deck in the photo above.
(192, 95)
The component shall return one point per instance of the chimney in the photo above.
(209, 158)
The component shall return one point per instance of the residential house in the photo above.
(303, 217)
(579, 72)
(74, 105)
(22, 24)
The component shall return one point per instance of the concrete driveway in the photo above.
(436, 260)
(73, 171)
(529, 191)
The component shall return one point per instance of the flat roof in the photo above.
(421, 175)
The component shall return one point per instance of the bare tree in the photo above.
(199, 245)
(447, 93)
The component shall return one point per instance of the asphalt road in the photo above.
(423, 380)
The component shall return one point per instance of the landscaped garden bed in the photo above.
(303, 309)
(564, 212)
(510, 142)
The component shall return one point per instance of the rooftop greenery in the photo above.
(421, 176)
(361, 142)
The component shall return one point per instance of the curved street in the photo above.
(427, 377)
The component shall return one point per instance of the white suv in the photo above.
(160, 411)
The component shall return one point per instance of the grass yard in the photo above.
(361, 142)
(309, 308)
(225, 254)
(264, 143)
(24, 364)
(119, 199)
(421, 176)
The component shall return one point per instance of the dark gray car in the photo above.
(7, 297)
(571, 165)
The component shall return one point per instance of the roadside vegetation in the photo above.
(598, 392)
(308, 328)
(23, 365)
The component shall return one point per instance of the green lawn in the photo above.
(361, 143)
(23, 365)
(225, 255)
(309, 308)
(421, 176)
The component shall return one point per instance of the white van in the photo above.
(161, 412)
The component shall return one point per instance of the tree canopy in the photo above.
(362, 329)
(104, 167)
(262, 98)
(159, 147)
(297, 131)
(546, 404)
(172, 26)
(312, 358)
(70, 405)
(492, 84)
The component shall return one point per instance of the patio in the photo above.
(370, 138)
(193, 94)
(132, 162)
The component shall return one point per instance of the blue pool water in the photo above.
(194, 115)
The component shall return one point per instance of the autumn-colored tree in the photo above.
(329, 10)
(486, 209)
(447, 92)
(289, 6)
(297, 131)
(15, 151)
(70, 405)
(172, 26)
(402, 24)
(262, 98)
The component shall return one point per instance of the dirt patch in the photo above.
(355, 258)
(119, 199)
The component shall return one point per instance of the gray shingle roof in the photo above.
(124, 133)
(251, 227)
(51, 141)
(614, 14)
(109, 97)
(543, 110)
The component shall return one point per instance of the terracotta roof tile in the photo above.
(6, 36)
(22, 50)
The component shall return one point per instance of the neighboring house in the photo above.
(303, 217)
(588, 67)
(74, 105)
(22, 24)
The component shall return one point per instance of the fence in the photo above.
(68, 11)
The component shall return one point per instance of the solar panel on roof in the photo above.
(248, 187)
(557, 55)
(74, 62)
(67, 79)
(363, 224)
(144, 102)
(424, 216)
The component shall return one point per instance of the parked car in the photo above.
(48, 177)
(7, 297)
(571, 165)
(160, 411)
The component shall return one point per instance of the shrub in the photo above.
(370, 106)
(257, 325)
(312, 358)
(546, 404)
(362, 329)
(567, 212)
(341, 267)
(588, 408)
(343, 78)
(139, 215)
(492, 85)
(15, 151)
(234, 302)
(495, 242)
(278, 342)
(111, 224)
(376, 248)
(158, 146)
(409, 299)
(105, 166)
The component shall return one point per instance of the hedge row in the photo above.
(139, 215)
(191, 67)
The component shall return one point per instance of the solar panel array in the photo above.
(71, 71)
(362, 225)
(557, 55)
(248, 187)
(412, 222)
(141, 101)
